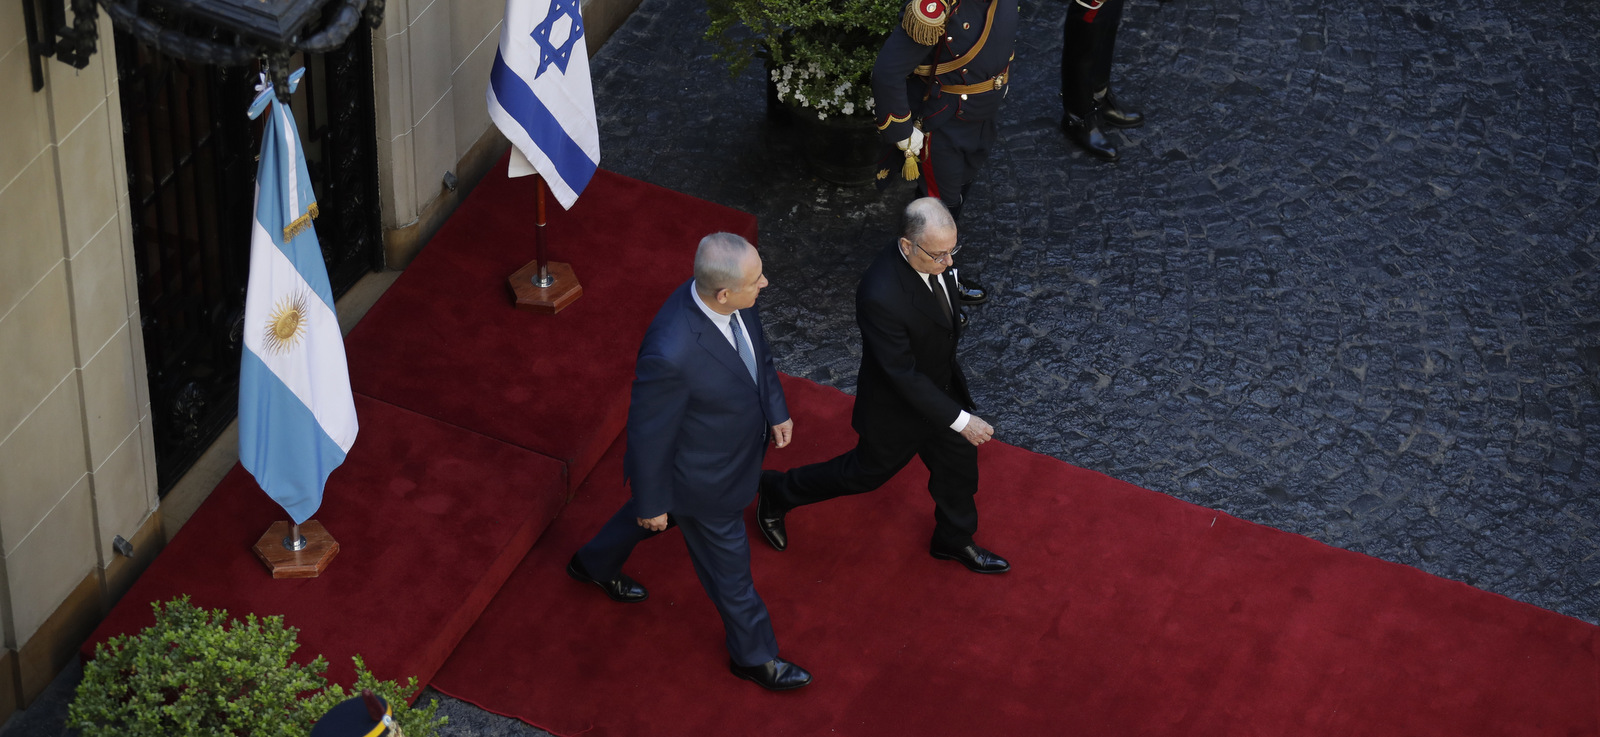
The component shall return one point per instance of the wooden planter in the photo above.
(841, 149)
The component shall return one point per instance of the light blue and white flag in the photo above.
(297, 418)
(539, 95)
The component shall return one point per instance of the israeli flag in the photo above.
(539, 95)
(297, 418)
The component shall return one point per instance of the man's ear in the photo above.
(722, 296)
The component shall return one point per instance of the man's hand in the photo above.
(977, 431)
(654, 524)
(914, 143)
(781, 434)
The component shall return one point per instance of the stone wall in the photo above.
(77, 465)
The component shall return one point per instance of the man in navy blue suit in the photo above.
(706, 399)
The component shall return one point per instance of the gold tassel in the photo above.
(920, 26)
(910, 170)
(300, 224)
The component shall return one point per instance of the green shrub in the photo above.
(195, 672)
(820, 52)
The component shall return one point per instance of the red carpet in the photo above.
(430, 520)
(443, 342)
(1127, 613)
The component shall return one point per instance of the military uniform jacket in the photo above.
(901, 97)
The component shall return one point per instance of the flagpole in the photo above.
(542, 285)
(544, 280)
(285, 347)
(295, 540)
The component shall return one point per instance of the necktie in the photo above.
(940, 296)
(742, 345)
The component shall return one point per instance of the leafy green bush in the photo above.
(820, 52)
(195, 672)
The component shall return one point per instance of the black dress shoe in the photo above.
(1116, 115)
(969, 293)
(1085, 132)
(768, 516)
(621, 588)
(776, 674)
(961, 318)
(976, 559)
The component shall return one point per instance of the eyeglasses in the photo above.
(942, 256)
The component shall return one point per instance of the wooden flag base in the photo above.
(548, 300)
(285, 563)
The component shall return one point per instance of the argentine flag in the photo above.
(297, 419)
(539, 95)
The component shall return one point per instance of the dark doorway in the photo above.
(191, 152)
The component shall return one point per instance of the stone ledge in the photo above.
(56, 642)
(10, 685)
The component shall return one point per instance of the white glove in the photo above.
(914, 143)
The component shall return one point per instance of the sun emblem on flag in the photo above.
(287, 324)
(549, 53)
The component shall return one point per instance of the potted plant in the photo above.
(818, 56)
(195, 672)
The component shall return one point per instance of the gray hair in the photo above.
(922, 215)
(718, 263)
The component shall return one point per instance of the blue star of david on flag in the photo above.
(550, 53)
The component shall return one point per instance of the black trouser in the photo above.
(1086, 45)
(952, 157)
(952, 477)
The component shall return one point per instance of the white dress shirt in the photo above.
(939, 293)
(723, 322)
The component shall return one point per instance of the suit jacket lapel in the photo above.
(715, 343)
(918, 291)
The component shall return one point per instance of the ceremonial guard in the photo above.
(367, 715)
(937, 88)
(1087, 101)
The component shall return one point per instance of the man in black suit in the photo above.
(705, 401)
(911, 397)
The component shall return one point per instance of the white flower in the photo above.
(849, 108)
(821, 115)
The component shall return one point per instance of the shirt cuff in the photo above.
(961, 421)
